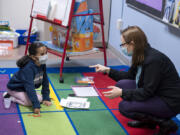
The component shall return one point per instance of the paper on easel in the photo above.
(75, 102)
(52, 9)
(67, 14)
(61, 9)
(40, 7)
(84, 91)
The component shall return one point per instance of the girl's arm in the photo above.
(27, 76)
(45, 86)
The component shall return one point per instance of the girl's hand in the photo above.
(101, 68)
(37, 111)
(47, 103)
(115, 92)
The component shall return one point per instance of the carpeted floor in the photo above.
(102, 118)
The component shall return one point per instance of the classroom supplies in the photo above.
(58, 37)
(177, 16)
(4, 50)
(96, 32)
(22, 39)
(85, 91)
(4, 26)
(6, 23)
(169, 11)
(82, 42)
(9, 39)
(75, 103)
(85, 80)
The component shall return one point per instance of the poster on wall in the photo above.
(172, 12)
(153, 7)
(176, 20)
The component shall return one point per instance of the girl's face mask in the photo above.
(43, 59)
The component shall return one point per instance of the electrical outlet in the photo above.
(119, 24)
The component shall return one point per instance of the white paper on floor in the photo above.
(75, 102)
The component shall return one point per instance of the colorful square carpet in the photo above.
(102, 118)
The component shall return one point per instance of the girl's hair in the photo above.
(137, 36)
(32, 50)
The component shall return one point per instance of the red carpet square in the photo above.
(101, 80)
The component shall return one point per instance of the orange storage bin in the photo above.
(82, 42)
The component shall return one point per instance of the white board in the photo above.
(61, 10)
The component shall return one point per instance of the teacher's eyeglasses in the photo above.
(123, 44)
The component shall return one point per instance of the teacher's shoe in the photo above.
(166, 127)
(141, 124)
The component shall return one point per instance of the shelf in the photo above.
(58, 51)
(49, 21)
(43, 18)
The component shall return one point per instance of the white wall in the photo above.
(17, 12)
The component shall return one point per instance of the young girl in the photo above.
(32, 74)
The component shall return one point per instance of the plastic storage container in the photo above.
(9, 39)
(22, 40)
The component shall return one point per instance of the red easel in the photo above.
(68, 27)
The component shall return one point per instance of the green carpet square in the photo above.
(48, 124)
(43, 108)
(95, 102)
(69, 80)
(96, 123)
